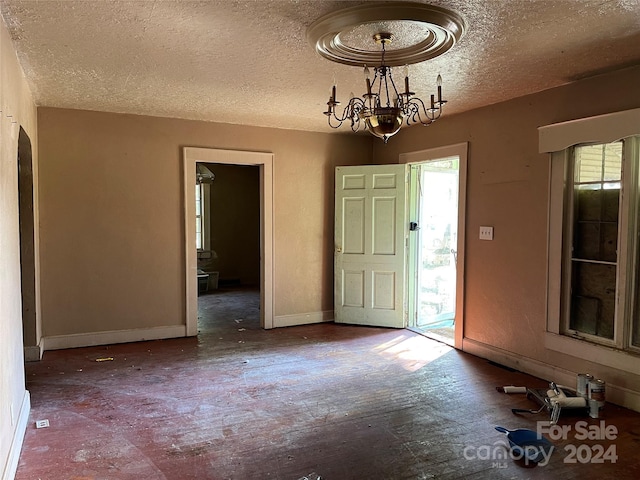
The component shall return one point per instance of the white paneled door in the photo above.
(370, 245)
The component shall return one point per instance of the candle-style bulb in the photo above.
(405, 72)
(439, 80)
(367, 76)
(439, 84)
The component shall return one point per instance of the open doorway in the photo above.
(434, 197)
(264, 164)
(436, 242)
(227, 204)
(27, 248)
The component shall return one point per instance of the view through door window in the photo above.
(436, 256)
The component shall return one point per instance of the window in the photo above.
(204, 180)
(203, 220)
(200, 216)
(594, 231)
(593, 284)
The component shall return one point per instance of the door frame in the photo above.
(193, 155)
(461, 151)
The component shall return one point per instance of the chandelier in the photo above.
(420, 32)
(383, 109)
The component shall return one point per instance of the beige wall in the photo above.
(18, 110)
(235, 223)
(112, 237)
(507, 188)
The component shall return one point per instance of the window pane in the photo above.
(613, 161)
(593, 299)
(588, 165)
(198, 232)
(198, 199)
(595, 229)
(599, 163)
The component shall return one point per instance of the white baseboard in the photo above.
(615, 394)
(58, 342)
(33, 353)
(11, 465)
(303, 319)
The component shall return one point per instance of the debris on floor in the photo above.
(42, 423)
(512, 389)
(311, 476)
(104, 359)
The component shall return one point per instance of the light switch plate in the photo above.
(486, 233)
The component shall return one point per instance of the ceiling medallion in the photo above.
(423, 32)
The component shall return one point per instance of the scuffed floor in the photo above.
(239, 402)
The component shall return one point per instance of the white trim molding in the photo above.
(616, 394)
(460, 150)
(58, 342)
(600, 129)
(11, 466)
(264, 160)
(600, 354)
(303, 318)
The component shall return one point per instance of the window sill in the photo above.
(610, 357)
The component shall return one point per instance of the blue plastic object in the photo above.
(526, 443)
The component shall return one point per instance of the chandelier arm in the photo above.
(414, 108)
(410, 111)
(352, 112)
(330, 117)
(356, 106)
(346, 113)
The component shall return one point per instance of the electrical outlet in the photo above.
(486, 233)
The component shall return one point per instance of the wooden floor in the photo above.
(343, 402)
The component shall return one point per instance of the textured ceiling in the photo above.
(249, 62)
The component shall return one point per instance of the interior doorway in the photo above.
(227, 199)
(437, 192)
(26, 213)
(264, 163)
